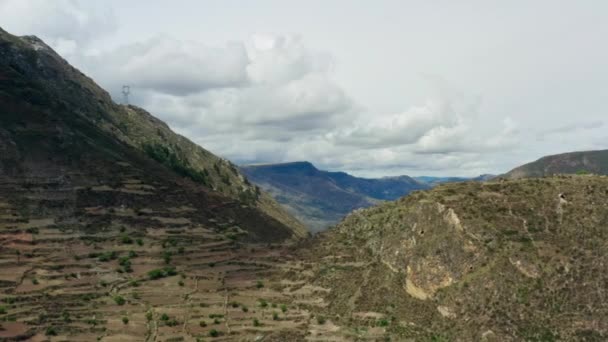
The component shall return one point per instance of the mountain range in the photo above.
(321, 198)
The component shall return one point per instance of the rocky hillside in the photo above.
(321, 198)
(567, 163)
(518, 260)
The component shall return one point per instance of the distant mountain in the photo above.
(433, 181)
(566, 163)
(321, 198)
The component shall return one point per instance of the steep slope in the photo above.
(567, 163)
(34, 72)
(514, 260)
(103, 231)
(321, 198)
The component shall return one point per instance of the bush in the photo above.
(162, 273)
(126, 240)
(214, 333)
(164, 317)
(105, 257)
(275, 316)
(170, 159)
(50, 331)
(382, 323)
(2, 310)
(139, 242)
(35, 281)
(180, 283)
(259, 284)
(256, 322)
(149, 316)
(320, 319)
(244, 308)
(284, 308)
(119, 300)
(263, 303)
(125, 320)
(202, 324)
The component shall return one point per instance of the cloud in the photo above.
(66, 25)
(171, 66)
(271, 98)
(570, 128)
(439, 126)
(270, 87)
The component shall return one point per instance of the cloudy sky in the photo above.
(371, 87)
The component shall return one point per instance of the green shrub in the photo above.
(2, 310)
(180, 283)
(382, 323)
(50, 331)
(119, 300)
(320, 319)
(170, 159)
(214, 333)
(139, 242)
(259, 284)
(275, 316)
(125, 320)
(164, 317)
(256, 322)
(202, 324)
(283, 308)
(245, 308)
(263, 303)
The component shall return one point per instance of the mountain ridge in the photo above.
(595, 161)
(322, 198)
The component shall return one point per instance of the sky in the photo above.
(374, 88)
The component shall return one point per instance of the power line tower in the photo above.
(126, 90)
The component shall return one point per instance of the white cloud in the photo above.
(171, 66)
(66, 25)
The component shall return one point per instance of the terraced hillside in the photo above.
(103, 231)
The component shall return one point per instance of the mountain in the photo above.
(567, 163)
(108, 220)
(321, 198)
(513, 260)
(434, 181)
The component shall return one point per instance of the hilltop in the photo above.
(321, 198)
(513, 260)
(566, 163)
